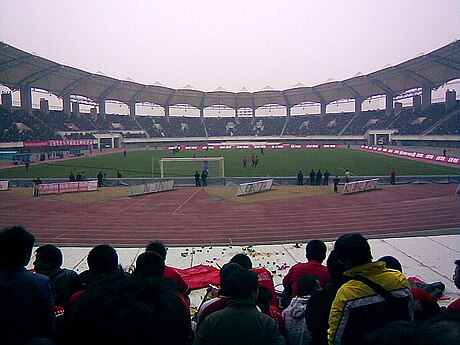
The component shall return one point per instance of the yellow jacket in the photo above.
(357, 308)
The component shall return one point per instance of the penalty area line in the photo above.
(186, 201)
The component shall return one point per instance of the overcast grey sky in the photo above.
(229, 43)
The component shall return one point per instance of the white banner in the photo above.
(68, 187)
(254, 187)
(4, 185)
(360, 186)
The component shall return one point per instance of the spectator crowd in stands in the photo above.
(19, 126)
(352, 300)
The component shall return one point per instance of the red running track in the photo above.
(190, 216)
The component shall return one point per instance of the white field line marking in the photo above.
(191, 196)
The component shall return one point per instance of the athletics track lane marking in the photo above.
(190, 197)
(127, 208)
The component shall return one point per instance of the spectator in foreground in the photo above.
(455, 305)
(240, 322)
(264, 276)
(48, 261)
(221, 301)
(137, 310)
(26, 299)
(297, 332)
(315, 252)
(263, 302)
(319, 304)
(373, 297)
(425, 305)
(170, 273)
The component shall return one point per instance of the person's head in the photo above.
(456, 276)
(315, 250)
(47, 257)
(334, 266)
(243, 260)
(15, 247)
(242, 284)
(263, 299)
(225, 273)
(103, 259)
(391, 262)
(150, 264)
(130, 311)
(307, 285)
(157, 247)
(353, 250)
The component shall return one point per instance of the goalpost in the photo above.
(205, 161)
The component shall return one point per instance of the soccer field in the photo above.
(273, 162)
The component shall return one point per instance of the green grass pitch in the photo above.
(272, 163)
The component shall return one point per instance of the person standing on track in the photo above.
(393, 176)
(197, 179)
(312, 177)
(300, 178)
(336, 181)
(326, 178)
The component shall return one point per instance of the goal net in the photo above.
(176, 167)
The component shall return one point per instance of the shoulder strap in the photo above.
(376, 287)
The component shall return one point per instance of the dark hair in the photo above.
(457, 262)
(391, 262)
(354, 248)
(264, 297)
(131, 311)
(158, 248)
(243, 260)
(225, 273)
(51, 254)
(306, 285)
(316, 250)
(15, 247)
(334, 267)
(150, 264)
(103, 258)
(241, 283)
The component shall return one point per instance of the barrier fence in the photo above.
(360, 186)
(67, 187)
(149, 188)
(254, 187)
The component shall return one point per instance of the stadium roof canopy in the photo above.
(20, 69)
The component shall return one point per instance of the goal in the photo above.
(173, 167)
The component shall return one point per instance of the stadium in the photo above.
(147, 141)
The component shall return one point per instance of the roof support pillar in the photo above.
(358, 106)
(102, 108)
(26, 99)
(7, 101)
(288, 111)
(416, 103)
(323, 108)
(426, 97)
(388, 104)
(201, 114)
(166, 108)
(451, 97)
(66, 105)
(76, 109)
(44, 106)
(132, 109)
